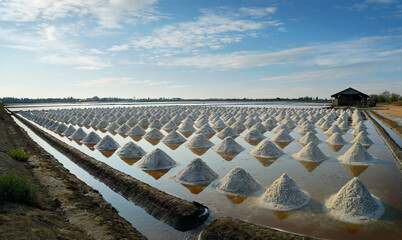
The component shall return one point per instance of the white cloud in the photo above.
(258, 12)
(117, 48)
(110, 13)
(209, 31)
(324, 54)
(81, 62)
(105, 82)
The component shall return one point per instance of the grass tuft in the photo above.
(19, 155)
(16, 189)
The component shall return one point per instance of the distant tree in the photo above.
(394, 97)
(373, 98)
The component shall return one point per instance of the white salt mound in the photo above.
(156, 160)
(70, 130)
(113, 126)
(238, 181)
(131, 150)
(253, 134)
(154, 134)
(363, 139)
(310, 137)
(284, 194)
(173, 137)
(354, 203)
(79, 134)
(267, 149)
(336, 139)
(206, 130)
(199, 141)
(107, 143)
(227, 132)
(123, 128)
(186, 127)
(310, 152)
(137, 130)
(91, 138)
(228, 145)
(357, 155)
(61, 128)
(195, 172)
(282, 136)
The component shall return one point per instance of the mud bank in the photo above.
(231, 228)
(178, 213)
(66, 207)
(394, 148)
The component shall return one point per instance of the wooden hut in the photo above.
(350, 97)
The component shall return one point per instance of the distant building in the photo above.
(350, 97)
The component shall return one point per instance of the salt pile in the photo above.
(238, 126)
(195, 172)
(253, 135)
(219, 124)
(173, 137)
(354, 203)
(228, 145)
(91, 138)
(227, 132)
(70, 130)
(54, 126)
(113, 126)
(336, 139)
(170, 126)
(357, 154)
(123, 128)
(358, 129)
(310, 152)
(206, 130)
(102, 125)
(333, 129)
(259, 127)
(199, 141)
(61, 128)
(281, 127)
(156, 160)
(238, 181)
(284, 195)
(107, 143)
(310, 137)
(266, 149)
(363, 139)
(131, 150)
(282, 136)
(156, 124)
(154, 134)
(137, 130)
(186, 127)
(79, 134)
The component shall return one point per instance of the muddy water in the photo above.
(321, 180)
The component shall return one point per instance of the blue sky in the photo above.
(199, 49)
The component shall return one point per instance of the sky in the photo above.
(199, 49)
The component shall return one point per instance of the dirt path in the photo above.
(67, 208)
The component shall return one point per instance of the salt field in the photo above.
(200, 151)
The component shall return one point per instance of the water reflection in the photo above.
(154, 142)
(107, 153)
(235, 199)
(353, 228)
(282, 145)
(199, 151)
(130, 161)
(136, 138)
(90, 146)
(335, 148)
(239, 131)
(310, 165)
(282, 215)
(356, 170)
(228, 156)
(266, 162)
(186, 134)
(173, 146)
(123, 135)
(156, 174)
(194, 189)
(253, 142)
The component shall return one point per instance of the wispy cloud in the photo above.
(110, 14)
(324, 54)
(211, 31)
(106, 82)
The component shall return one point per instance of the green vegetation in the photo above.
(19, 155)
(16, 189)
(385, 97)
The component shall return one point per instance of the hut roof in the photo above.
(349, 91)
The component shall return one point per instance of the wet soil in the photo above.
(66, 208)
(231, 228)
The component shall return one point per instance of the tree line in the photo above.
(385, 97)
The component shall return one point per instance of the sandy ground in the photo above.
(67, 208)
(391, 116)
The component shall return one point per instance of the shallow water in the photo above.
(319, 180)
